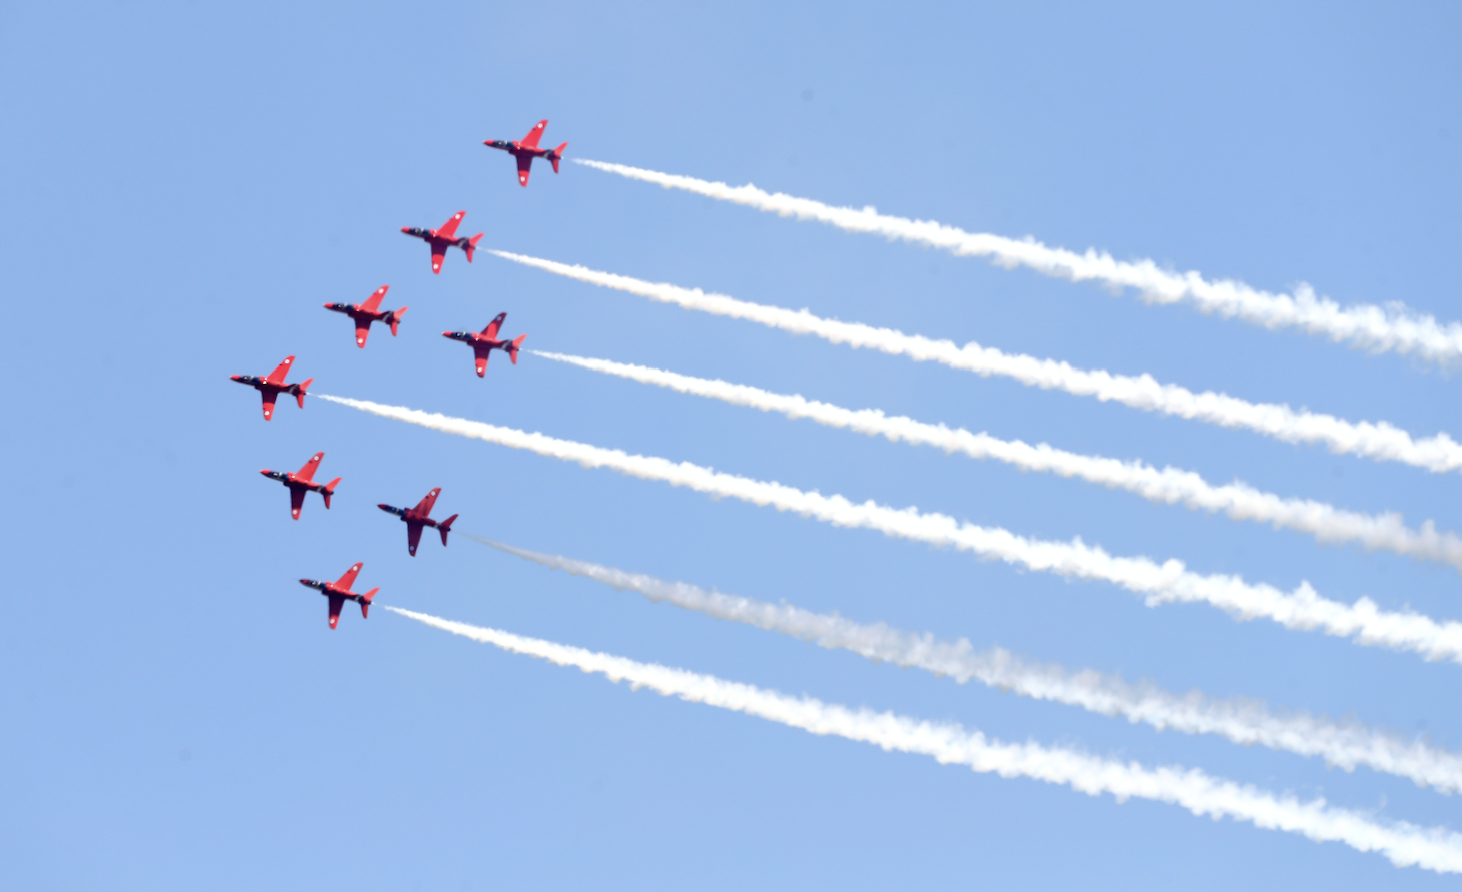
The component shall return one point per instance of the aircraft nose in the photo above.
(447, 334)
(266, 472)
(406, 229)
(235, 377)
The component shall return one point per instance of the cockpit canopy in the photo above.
(417, 230)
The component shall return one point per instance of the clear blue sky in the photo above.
(184, 185)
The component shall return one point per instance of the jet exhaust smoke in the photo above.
(1169, 486)
(1364, 326)
(1343, 745)
(1381, 441)
(1170, 581)
(1405, 845)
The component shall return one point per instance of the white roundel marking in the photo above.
(521, 179)
(539, 127)
(360, 340)
(436, 266)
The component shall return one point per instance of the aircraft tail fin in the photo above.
(444, 527)
(365, 601)
(395, 319)
(329, 490)
(556, 154)
(299, 391)
(513, 348)
(472, 246)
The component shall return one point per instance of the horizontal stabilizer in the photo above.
(394, 318)
(299, 391)
(472, 246)
(444, 527)
(513, 348)
(557, 154)
(330, 490)
(365, 601)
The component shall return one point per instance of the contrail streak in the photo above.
(1168, 486)
(1364, 622)
(1344, 745)
(1381, 441)
(1404, 844)
(1366, 326)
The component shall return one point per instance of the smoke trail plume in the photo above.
(1160, 583)
(1381, 441)
(1344, 745)
(1405, 845)
(1365, 326)
(1169, 486)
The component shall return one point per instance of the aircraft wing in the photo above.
(438, 256)
(480, 352)
(373, 303)
(277, 376)
(425, 505)
(413, 537)
(307, 473)
(492, 327)
(525, 167)
(348, 579)
(336, 602)
(363, 330)
(269, 397)
(531, 140)
(296, 501)
(449, 228)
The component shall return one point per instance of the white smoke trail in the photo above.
(1403, 844)
(1344, 745)
(1169, 486)
(1170, 581)
(1381, 441)
(1369, 327)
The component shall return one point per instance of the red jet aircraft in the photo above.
(368, 312)
(417, 517)
(339, 592)
(444, 238)
(301, 482)
(486, 341)
(272, 386)
(526, 149)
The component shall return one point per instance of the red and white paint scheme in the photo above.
(526, 149)
(272, 385)
(444, 238)
(339, 592)
(486, 341)
(368, 312)
(419, 517)
(301, 482)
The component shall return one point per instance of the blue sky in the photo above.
(185, 186)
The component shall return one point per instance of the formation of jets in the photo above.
(363, 314)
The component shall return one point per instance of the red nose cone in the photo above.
(406, 229)
(266, 472)
(234, 377)
(446, 334)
